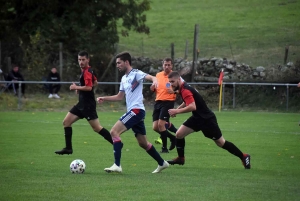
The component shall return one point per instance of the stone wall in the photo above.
(208, 70)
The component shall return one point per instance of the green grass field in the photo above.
(253, 32)
(31, 171)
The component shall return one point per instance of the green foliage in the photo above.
(80, 25)
(31, 171)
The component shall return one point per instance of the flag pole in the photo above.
(221, 86)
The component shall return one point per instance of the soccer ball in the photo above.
(77, 166)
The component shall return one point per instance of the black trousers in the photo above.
(54, 88)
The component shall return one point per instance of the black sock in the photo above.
(68, 137)
(172, 128)
(154, 154)
(180, 144)
(231, 148)
(164, 136)
(105, 133)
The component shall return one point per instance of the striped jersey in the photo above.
(132, 85)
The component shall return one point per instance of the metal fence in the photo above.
(227, 98)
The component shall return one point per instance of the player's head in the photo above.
(123, 60)
(175, 80)
(83, 59)
(167, 65)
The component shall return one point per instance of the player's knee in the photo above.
(179, 136)
(161, 127)
(113, 133)
(97, 129)
(65, 123)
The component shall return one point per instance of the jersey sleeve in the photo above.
(140, 75)
(187, 96)
(121, 86)
(88, 79)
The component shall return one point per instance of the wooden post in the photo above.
(286, 55)
(172, 52)
(194, 66)
(61, 60)
(8, 64)
(186, 49)
(116, 71)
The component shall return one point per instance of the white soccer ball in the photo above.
(77, 166)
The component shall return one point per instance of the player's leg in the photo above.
(69, 119)
(93, 120)
(164, 133)
(150, 149)
(213, 132)
(155, 118)
(189, 126)
(171, 127)
(182, 132)
(116, 132)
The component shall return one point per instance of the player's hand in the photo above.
(154, 84)
(298, 84)
(172, 112)
(170, 91)
(100, 100)
(73, 86)
(152, 87)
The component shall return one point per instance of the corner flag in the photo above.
(220, 82)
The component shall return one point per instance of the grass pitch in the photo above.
(31, 171)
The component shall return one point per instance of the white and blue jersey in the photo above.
(132, 85)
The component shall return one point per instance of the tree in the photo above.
(78, 24)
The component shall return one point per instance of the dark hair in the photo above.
(168, 59)
(174, 74)
(124, 56)
(83, 53)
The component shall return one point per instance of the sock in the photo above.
(68, 137)
(154, 154)
(231, 148)
(117, 151)
(171, 127)
(180, 144)
(106, 135)
(164, 136)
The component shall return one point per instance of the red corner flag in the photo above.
(221, 77)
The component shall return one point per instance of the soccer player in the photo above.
(202, 119)
(86, 106)
(131, 86)
(165, 100)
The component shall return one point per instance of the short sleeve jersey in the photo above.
(87, 98)
(189, 95)
(162, 88)
(132, 85)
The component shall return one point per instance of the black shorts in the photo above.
(161, 110)
(88, 113)
(209, 127)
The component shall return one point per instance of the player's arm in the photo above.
(182, 105)
(116, 97)
(153, 79)
(80, 88)
(189, 108)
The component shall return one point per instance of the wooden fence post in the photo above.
(172, 51)
(195, 48)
